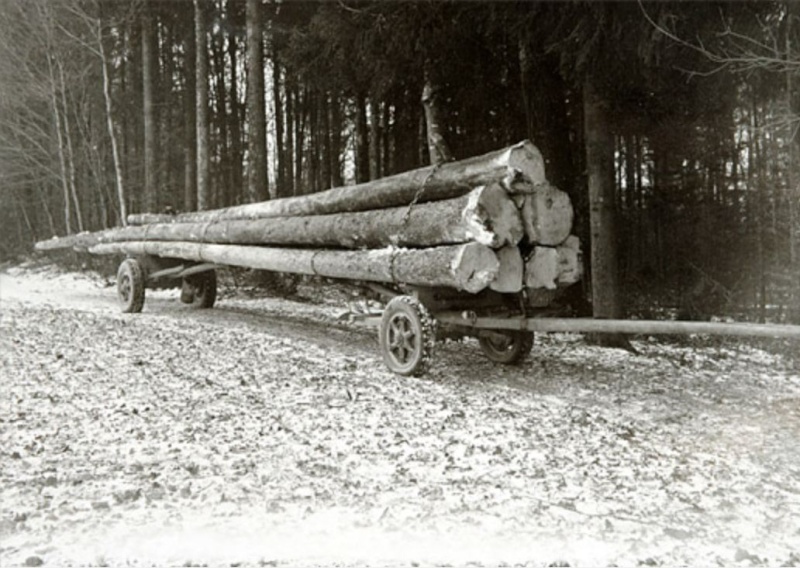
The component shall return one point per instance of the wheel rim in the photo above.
(403, 340)
(125, 288)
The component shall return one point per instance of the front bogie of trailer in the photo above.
(409, 327)
(197, 281)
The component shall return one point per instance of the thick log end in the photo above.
(510, 272)
(547, 215)
(492, 218)
(474, 267)
(525, 168)
(554, 267)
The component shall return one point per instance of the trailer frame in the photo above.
(415, 318)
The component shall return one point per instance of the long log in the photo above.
(518, 168)
(470, 267)
(647, 327)
(547, 215)
(78, 242)
(486, 215)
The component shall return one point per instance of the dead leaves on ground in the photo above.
(670, 456)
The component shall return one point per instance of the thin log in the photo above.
(646, 327)
(470, 267)
(518, 168)
(487, 215)
(547, 214)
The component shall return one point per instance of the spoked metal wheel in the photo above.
(130, 286)
(506, 347)
(407, 336)
(200, 290)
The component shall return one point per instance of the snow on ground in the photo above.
(267, 432)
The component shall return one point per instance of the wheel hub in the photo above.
(402, 340)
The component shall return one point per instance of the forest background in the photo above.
(674, 122)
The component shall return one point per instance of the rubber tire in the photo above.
(130, 286)
(411, 354)
(519, 346)
(204, 293)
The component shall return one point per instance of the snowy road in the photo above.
(264, 433)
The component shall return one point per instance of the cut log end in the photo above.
(492, 218)
(510, 273)
(525, 168)
(547, 215)
(474, 267)
(555, 267)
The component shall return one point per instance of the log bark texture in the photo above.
(518, 168)
(470, 267)
(486, 215)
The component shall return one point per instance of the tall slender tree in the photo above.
(149, 73)
(202, 112)
(257, 185)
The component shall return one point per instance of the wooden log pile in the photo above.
(491, 221)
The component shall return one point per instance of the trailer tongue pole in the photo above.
(644, 327)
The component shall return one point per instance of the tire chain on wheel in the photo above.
(135, 303)
(428, 325)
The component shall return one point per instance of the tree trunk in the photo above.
(235, 120)
(201, 85)
(218, 194)
(486, 215)
(600, 171)
(70, 154)
(518, 168)
(288, 151)
(470, 267)
(112, 134)
(327, 157)
(374, 139)
(301, 112)
(149, 65)
(438, 149)
(59, 137)
(190, 124)
(362, 140)
(337, 180)
(257, 189)
(793, 189)
(279, 189)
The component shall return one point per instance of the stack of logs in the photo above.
(490, 221)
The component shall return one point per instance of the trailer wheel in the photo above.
(130, 286)
(407, 336)
(200, 290)
(507, 347)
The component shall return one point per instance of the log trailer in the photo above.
(415, 318)
(480, 247)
